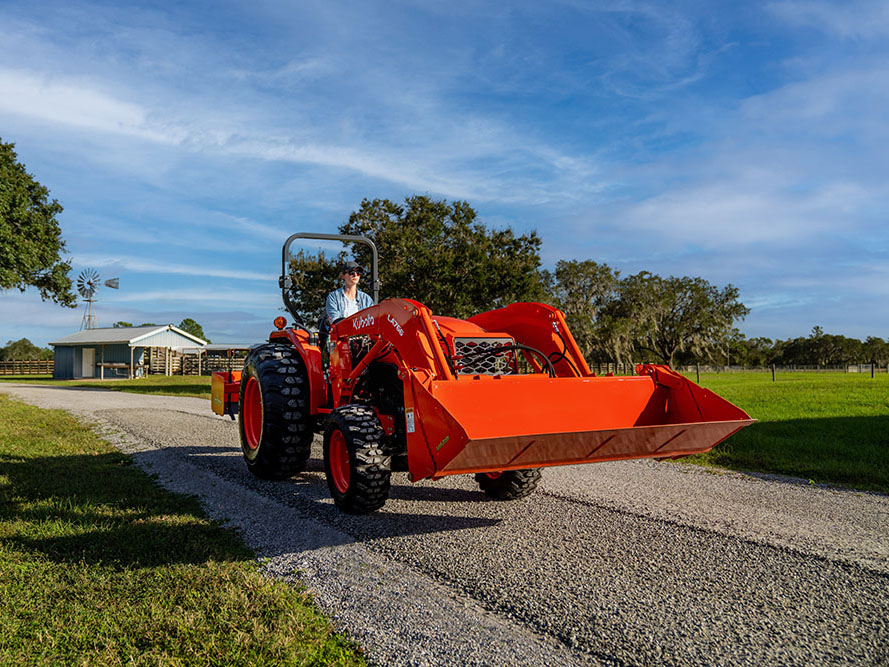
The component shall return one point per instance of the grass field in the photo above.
(101, 566)
(825, 427)
(160, 385)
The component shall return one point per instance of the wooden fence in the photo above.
(605, 368)
(162, 361)
(844, 368)
(29, 367)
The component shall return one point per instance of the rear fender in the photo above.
(311, 356)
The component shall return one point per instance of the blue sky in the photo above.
(742, 142)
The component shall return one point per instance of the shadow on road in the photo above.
(307, 493)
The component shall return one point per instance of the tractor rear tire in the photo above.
(273, 416)
(356, 459)
(509, 484)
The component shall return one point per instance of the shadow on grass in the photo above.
(100, 509)
(849, 451)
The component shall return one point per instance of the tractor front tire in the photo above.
(509, 484)
(273, 418)
(356, 459)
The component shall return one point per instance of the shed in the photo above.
(116, 351)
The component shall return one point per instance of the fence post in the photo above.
(872, 371)
(697, 374)
(773, 372)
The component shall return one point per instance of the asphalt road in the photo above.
(627, 563)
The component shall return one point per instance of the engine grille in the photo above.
(475, 363)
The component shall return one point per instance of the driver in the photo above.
(348, 299)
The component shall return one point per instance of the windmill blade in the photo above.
(113, 283)
(87, 283)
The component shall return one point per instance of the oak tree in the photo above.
(30, 235)
(436, 252)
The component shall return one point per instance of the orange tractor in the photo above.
(500, 395)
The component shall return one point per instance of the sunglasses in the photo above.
(355, 272)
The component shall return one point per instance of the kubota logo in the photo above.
(362, 322)
(395, 324)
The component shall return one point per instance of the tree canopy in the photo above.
(30, 234)
(313, 277)
(660, 318)
(642, 317)
(436, 252)
(190, 326)
(23, 350)
(582, 290)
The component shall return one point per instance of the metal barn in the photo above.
(123, 351)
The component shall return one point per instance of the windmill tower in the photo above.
(87, 284)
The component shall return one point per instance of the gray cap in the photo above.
(351, 266)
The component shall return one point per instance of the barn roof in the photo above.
(126, 335)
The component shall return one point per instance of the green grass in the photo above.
(99, 565)
(160, 385)
(824, 427)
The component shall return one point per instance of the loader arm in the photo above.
(401, 333)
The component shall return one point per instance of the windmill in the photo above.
(87, 284)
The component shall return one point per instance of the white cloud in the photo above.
(848, 20)
(440, 168)
(73, 103)
(841, 102)
(225, 296)
(152, 266)
(731, 212)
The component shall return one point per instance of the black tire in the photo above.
(509, 484)
(356, 460)
(273, 415)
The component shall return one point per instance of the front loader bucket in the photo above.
(488, 424)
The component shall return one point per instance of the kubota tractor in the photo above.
(500, 395)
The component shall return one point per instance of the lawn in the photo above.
(160, 385)
(102, 566)
(825, 427)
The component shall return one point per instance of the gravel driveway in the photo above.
(620, 563)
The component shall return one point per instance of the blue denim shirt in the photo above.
(336, 303)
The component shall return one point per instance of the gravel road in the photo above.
(620, 564)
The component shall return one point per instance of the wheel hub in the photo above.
(252, 413)
(339, 461)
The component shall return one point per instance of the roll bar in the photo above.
(285, 282)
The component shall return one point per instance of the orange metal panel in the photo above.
(483, 423)
(585, 447)
(224, 389)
